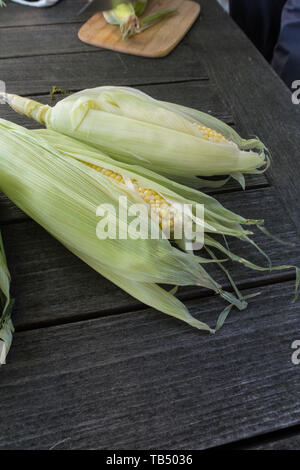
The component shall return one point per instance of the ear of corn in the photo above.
(50, 177)
(134, 128)
(126, 15)
(217, 218)
(60, 182)
(6, 326)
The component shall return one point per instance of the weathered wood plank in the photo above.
(155, 383)
(256, 95)
(34, 75)
(51, 285)
(50, 39)
(145, 381)
(64, 12)
(286, 440)
(9, 212)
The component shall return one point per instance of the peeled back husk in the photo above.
(126, 15)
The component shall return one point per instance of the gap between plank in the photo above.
(40, 25)
(259, 440)
(91, 51)
(283, 278)
(188, 80)
(237, 189)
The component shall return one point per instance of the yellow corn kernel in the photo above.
(151, 197)
(213, 136)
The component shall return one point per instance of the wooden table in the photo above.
(90, 367)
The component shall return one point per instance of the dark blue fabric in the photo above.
(286, 58)
(274, 27)
(260, 20)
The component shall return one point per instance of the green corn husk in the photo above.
(46, 174)
(43, 173)
(6, 326)
(132, 127)
(126, 15)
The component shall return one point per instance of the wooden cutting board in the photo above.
(156, 41)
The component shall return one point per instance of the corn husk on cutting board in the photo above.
(156, 41)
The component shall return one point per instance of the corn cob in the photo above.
(133, 128)
(156, 202)
(126, 15)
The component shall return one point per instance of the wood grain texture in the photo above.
(256, 97)
(48, 39)
(145, 381)
(35, 75)
(51, 285)
(134, 378)
(157, 41)
(64, 12)
(282, 440)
